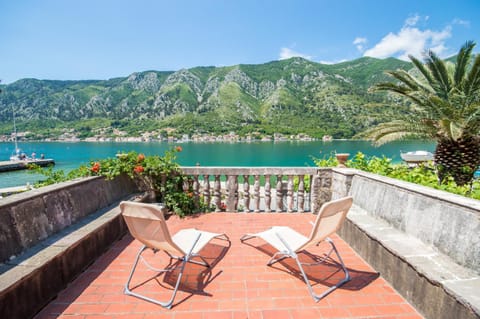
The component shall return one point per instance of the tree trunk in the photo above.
(458, 159)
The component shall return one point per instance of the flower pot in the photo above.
(342, 159)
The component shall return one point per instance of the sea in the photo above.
(70, 155)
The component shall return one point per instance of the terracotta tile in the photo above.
(276, 314)
(241, 285)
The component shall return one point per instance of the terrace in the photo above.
(413, 252)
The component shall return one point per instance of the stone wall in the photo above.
(423, 241)
(56, 231)
(30, 217)
(448, 222)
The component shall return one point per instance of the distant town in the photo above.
(120, 136)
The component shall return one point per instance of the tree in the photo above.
(446, 108)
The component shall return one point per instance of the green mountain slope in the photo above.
(289, 96)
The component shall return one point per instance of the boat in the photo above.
(17, 156)
(20, 160)
(417, 156)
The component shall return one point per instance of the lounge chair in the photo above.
(289, 243)
(146, 223)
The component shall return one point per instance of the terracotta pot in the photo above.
(342, 158)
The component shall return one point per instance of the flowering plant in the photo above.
(158, 175)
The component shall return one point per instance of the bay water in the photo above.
(70, 155)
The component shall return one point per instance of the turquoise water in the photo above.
(70, 155)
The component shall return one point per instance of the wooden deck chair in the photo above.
(289, 243)
(146, 223)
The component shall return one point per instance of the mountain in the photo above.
(288, 96)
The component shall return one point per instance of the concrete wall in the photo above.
(448, 222)
(30, 217)
(425, 242)
(81, 220)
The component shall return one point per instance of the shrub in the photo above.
(159, 175)
(422, 174)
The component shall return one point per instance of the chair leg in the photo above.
(274, 259)
(246, 237)
(329, 290)
(167, 304)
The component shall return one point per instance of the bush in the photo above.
(157, 175)
(160, 175)
(422, 174)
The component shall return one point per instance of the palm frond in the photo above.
(410, 81)
(421, 67)
(389, 86)
(439, 71)
(441, 108)
(472, 85)
(463, 58)
(472, 121)
(399, 89)
(394, 130)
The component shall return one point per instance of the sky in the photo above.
(102, 39)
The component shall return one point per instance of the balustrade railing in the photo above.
(255, 189)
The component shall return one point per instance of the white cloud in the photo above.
(412, 20)
(464, 23)
(411, 40)
(287, 53)
(360, 43)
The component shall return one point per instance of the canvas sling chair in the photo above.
(290, 243)
(146, 223)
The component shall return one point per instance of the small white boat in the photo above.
(417, 156)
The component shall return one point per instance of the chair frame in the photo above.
(187, 258)
(288, 252)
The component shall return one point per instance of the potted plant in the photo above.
(160, 177)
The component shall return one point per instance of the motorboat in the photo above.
(417, 156)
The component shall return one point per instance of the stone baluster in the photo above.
(196, 190)
(301, 194)
(217, 194)
(206, 190)
(246, 194)
(315, 188)
(268, 198)
(232, 188)
(279, 189)
(256, 194)
(290, 194)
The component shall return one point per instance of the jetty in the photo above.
(7, 166)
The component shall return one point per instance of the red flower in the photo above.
(140, 157)
(178, 148)
(138, 169)
(96, 167)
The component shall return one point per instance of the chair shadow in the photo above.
(195, 277)
(326, 273)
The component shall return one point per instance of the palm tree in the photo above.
(445, 107)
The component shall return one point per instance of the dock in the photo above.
(7, 166)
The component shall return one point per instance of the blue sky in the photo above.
(101, 39)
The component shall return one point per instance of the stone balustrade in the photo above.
(256, 189)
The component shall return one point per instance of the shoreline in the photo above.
(191, 141)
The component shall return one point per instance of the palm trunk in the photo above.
(458, 159)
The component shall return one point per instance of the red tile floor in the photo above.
(239, 285)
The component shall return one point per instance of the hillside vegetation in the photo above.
(289, 96)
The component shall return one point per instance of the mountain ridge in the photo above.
(287, 96)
